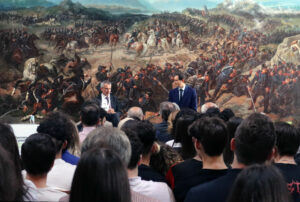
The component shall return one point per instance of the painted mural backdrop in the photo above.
(243, 55)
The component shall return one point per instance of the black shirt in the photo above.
(213, 191)
(185, 181)
(148, 173)
(291, 173)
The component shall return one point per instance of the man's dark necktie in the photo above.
(107, 99)
(180, 94)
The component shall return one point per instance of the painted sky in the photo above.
(179, 5)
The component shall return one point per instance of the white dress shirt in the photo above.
(182, 91)
(104, 104)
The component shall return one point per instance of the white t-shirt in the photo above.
(32, 193)
(49, 194)
(155, 190)
(61, 175)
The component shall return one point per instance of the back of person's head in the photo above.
(89, 114)
(108, 137)
(211, 133)
(226, 114)
(165, 109)
(182, 112)
(207, 105)
(9, 142)
(164, 159)
(59, 127)
(288, 139)
(181, 135)
(110, 184)
(213, 112)
(232, 125)
(38, 154)
(10, 187)
(135, 112)
(259, 183)
(136, 148)
(254, 139)
(145, 131)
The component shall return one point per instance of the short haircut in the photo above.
(90, 114)
(135, 112)
(180, 76)
(109, 137)
(288, 139)
(165, 109)
(136, 148)
(104, 82)
(211, 133)
(254, 139)
(111, 183)
(38, 154)
(145, 131)
(59, 126)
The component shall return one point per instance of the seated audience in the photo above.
(100, 176)
(253, 143)
(38, 154)
(146, 133)
(287, 142)
(156, 190)
(133, 113)
(165, 109)
(61, 129)
(259, 183)
(91, 117)
(209, 137)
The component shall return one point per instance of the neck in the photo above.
(59, 155)
(145, 159)
(132, 172)
(198, 158)
(215, 162)
(237, 165)
(38, 181)
(285, 160)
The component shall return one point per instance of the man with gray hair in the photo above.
(133, 113)
(165, 109)
(109, 103)
(111, 138)
(208, 105)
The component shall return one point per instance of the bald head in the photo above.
(135, 112)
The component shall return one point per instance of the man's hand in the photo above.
(111, 111)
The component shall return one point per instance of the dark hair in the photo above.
(90, 114)
(145, 131)
(58, 126)
(226, 114)
(181, 135)
(254, 139)
(10, 187)
(288, 139)
(9, 143)
(180, 76)
(232, 125)
(38, 154)
(136, 147)
(184, 111)
(211, 133)
(110, 184)
(213, 112)
(259, 183)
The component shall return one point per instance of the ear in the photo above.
(232, 144)
(140, 160)
(64, 144)
(273, 154)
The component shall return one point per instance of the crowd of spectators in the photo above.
(209, 156)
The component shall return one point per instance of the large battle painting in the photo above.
(243, 55)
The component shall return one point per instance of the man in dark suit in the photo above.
(109, 103)
(183, 95)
